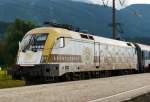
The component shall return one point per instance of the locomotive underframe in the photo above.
(50, 73)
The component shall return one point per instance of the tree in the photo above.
(13, 35)
(2, 61)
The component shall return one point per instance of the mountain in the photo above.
(133, 20)
(93, 18)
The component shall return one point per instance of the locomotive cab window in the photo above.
(39, 41)
(34, 42)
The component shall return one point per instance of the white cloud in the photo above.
(127, 2)
(89, 1)
(139, 1)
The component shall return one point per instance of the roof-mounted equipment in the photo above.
(65, 26)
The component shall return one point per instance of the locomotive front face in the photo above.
(34, 53)
(31, 49)
(36, 47)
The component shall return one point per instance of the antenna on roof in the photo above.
(65, 26)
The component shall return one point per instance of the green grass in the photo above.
(11, 83)
(4, 76)
(7, 82)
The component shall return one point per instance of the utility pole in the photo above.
(114, 20)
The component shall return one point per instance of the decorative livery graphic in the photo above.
(87, 57)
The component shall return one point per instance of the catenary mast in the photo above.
(114, 35)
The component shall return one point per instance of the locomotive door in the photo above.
(97, 54)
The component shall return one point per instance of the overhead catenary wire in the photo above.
(122, 2)
(105, 4)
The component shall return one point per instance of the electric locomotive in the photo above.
(53, 53)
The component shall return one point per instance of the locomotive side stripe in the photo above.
(65, 58)
(61, 58)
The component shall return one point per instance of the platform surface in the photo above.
(112, 89)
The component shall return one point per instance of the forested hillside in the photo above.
(3, 27)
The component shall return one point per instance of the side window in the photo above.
(146, 55)
(149, 55)
(60, 43)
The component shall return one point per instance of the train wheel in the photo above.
(68, 77)
(82, 75)
(76, 76)
(96, 74)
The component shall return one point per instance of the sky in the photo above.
(139, 1)
(127, 2)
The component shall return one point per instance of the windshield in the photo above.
(33, 42)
